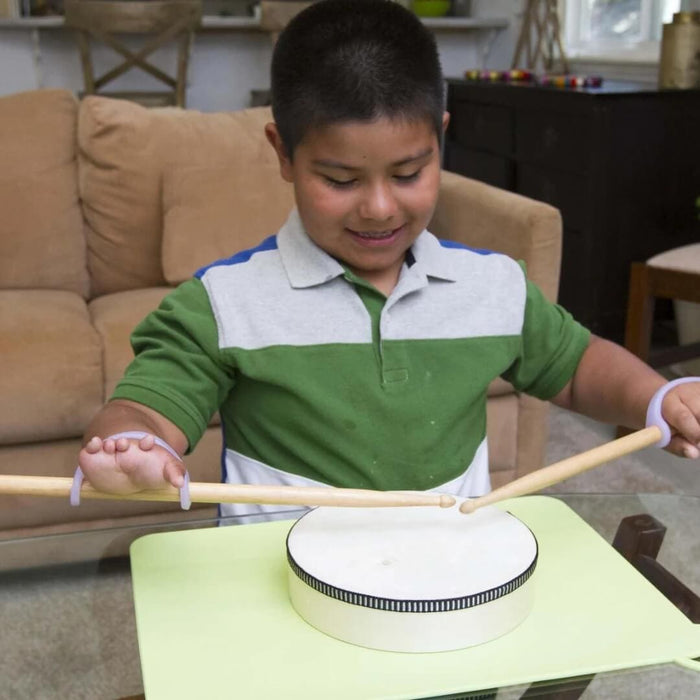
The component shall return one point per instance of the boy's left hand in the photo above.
(681, 410)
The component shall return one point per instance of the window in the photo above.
(617, 29)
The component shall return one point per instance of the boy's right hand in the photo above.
(128, 465)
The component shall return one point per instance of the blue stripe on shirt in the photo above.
(269, 243)
(454, 244)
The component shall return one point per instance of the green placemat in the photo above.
(214, 620)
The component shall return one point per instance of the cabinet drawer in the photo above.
(561, 140)
(483, 127)
(567, 192)
(485, 167)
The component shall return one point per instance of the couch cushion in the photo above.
(115, 316)
(51, 380)
(686, 259)
(125, 149)
(42, 241)
(211, 213)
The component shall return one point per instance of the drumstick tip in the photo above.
(447, 501)
(468, 506)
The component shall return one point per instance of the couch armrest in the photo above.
(482, 216)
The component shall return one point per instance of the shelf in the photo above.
(211, 23)
(55, 22)
(459, 24)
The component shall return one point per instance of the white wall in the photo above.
(501, 54)
(16, 62)
(225, 68)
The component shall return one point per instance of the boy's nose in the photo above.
(378, 203)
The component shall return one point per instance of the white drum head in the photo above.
(411, 579)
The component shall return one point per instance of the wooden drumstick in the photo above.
(559, 471)
(202, 492)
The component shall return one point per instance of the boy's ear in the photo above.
(273, 136)
(445, 121)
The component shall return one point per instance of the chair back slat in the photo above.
(159, 22)
(130, 17)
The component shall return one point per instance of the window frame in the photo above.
(644, 49)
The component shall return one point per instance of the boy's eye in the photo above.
(407, 178)
(340, 184)
(345, 184)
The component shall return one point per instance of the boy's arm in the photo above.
(614, 386)
(126, 465)
(170, 390)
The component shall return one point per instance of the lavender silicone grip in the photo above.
(654, 416)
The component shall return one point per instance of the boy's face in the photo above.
(365, 190)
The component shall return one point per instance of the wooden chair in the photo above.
(276, 14)
(274, 17)
(160, 22)
(674, 274)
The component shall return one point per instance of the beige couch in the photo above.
(104, 206)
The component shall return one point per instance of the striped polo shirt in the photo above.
(321, 379)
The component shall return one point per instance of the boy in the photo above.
(353, 348)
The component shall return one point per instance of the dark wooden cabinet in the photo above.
(621, 163)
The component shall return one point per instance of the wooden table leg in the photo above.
(566, 689)
(639, 539)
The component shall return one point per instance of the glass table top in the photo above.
(69, 630)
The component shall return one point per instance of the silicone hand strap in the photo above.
(185, 500)
(654, 416)
(75, 487)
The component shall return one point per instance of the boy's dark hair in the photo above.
(354, 60)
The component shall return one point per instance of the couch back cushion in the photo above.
(129, 154)
(42, 240)
(211, 213)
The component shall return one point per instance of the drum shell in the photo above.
(411, 632)
(412, 579)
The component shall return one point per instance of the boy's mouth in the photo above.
(375, 236)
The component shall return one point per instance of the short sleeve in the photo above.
(178, 369)
(551, 347)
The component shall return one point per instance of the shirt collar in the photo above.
(432, 259)
(307, 265)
